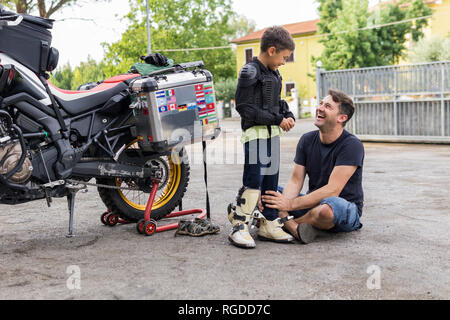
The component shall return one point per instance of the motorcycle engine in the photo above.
(10, 153)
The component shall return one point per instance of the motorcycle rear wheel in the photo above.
(130, 205)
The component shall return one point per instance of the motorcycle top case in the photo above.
(175, 109)
(29, 42)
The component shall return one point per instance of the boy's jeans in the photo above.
(262, 163)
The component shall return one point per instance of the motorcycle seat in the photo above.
(79, 102)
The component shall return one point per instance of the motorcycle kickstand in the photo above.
(48, 197)
(73, 190)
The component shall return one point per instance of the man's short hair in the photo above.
(346, 105)
(277, 37)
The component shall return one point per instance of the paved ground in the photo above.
(405, 240)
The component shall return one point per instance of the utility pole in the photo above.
(149, 43)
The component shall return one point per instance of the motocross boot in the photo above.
(243, 216)
(272, 231)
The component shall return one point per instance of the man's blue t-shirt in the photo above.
(320, 159)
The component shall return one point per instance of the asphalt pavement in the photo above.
(402, 252)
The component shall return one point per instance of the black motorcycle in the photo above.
(53, 141)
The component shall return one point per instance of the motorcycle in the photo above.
(54, 141)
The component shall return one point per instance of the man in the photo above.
(263, 116)
(333, 160)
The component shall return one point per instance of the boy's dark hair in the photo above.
(277, 37)
(346, 105)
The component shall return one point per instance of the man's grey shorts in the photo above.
(346, 216)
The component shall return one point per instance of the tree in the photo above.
(179, 24)
(390, 41)
(225, 89)
(240, 27)
(427, 50)
(354, 41)
(89, 71)
(46, 8)
(328, 12)
(63, 77)
(347, 46)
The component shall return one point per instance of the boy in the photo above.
(263, 116)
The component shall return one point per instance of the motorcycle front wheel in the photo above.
(130, 204)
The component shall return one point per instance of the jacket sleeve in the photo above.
(284, 110)
(250, 112)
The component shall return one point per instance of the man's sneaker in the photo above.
(272, 231)
(306, 233)
(240, 236)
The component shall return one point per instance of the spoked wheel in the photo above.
(130, 204)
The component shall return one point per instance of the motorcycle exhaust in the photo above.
(114, 170)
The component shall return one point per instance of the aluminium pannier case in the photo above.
(175, 109)
(29, 42)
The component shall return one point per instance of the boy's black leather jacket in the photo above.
(258, 96)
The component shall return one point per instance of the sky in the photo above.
(79, 30)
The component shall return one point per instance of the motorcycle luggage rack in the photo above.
(198, 65)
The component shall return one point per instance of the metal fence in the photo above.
(405, 103)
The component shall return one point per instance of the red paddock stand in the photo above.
(148, 226)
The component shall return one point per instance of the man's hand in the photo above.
(276, 200)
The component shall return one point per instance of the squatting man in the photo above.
(333, 160)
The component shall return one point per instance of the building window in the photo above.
(288, 87)
(292, 57)
(248, 55)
